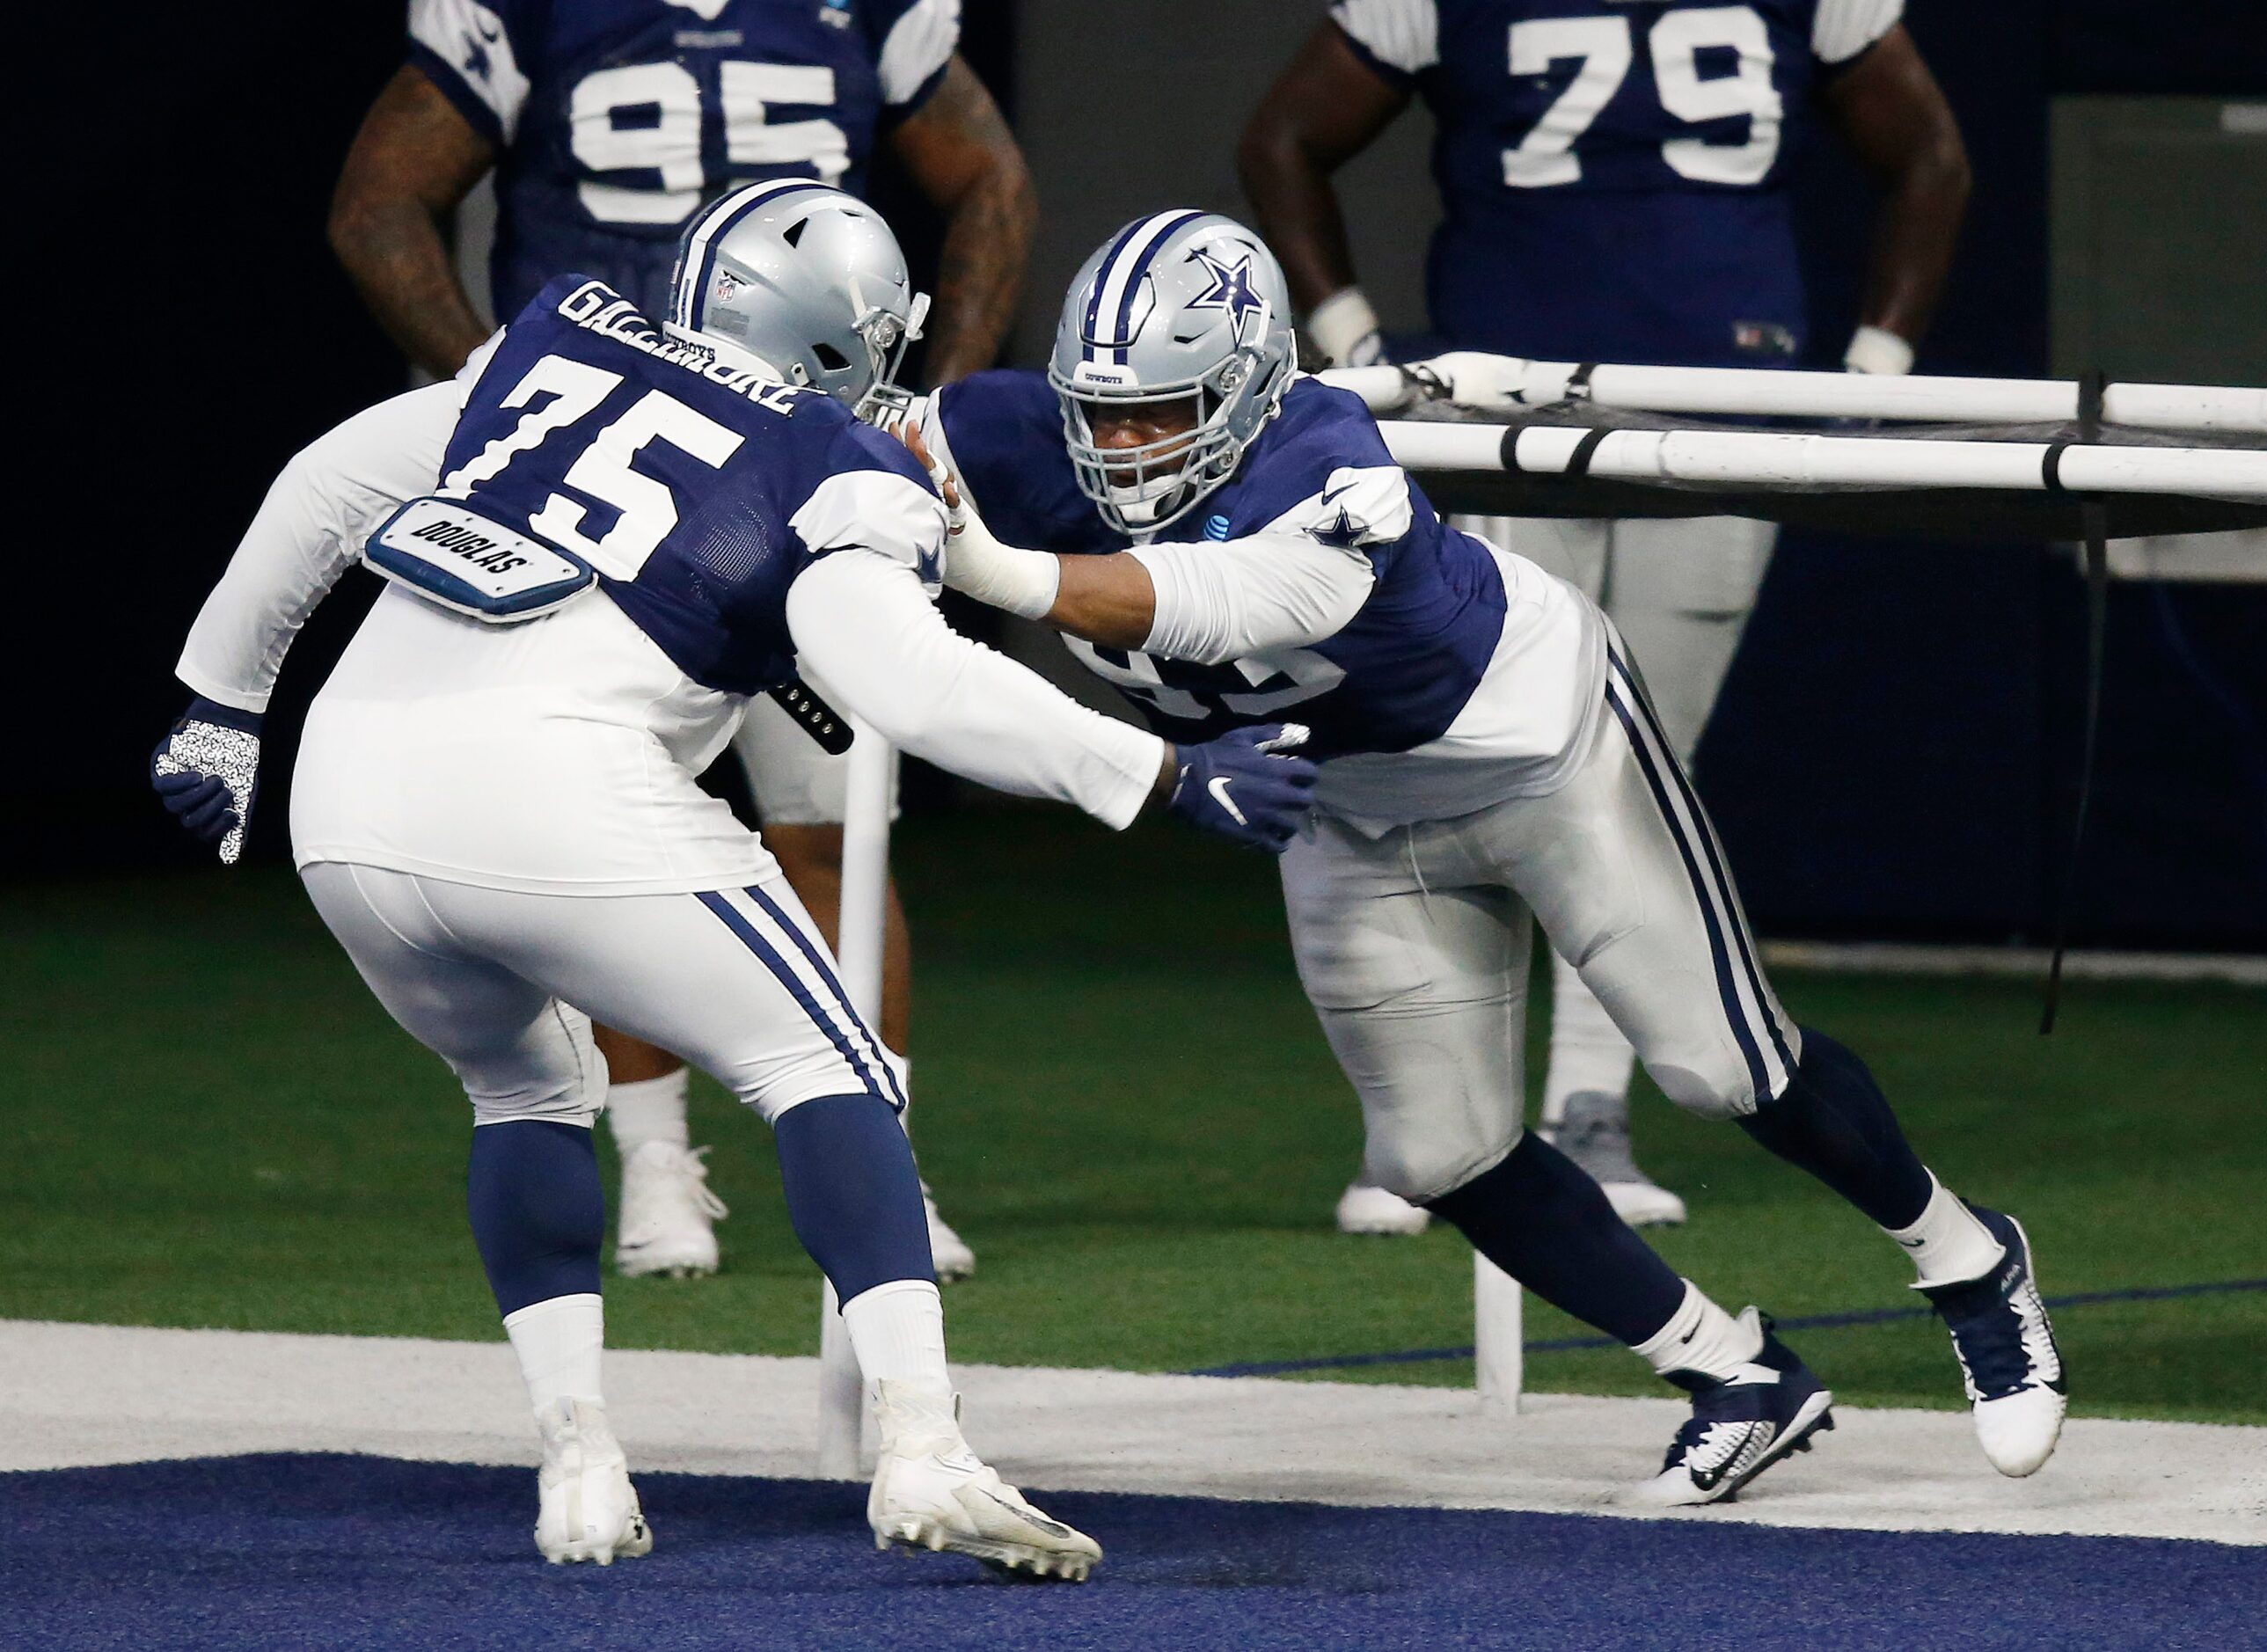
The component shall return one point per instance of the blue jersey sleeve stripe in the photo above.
(454, 87)
(894, 116)
(1394, 76)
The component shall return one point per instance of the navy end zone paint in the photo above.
(369, 1554)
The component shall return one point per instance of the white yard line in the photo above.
(78, 1394)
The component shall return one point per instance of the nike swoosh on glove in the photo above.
(1246, 786)
(206, 770)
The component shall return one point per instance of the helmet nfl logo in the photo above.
(728, 286)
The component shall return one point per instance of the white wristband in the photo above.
(1875, 349)
(1344, 328)
(999, 575)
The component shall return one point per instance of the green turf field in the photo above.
(1124, 1105)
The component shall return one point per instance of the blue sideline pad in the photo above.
(345, 1552)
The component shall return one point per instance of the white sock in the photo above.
(1948, 1246)
(559, 1342)
(1588, 1051)
(650, 1110)
(897, 1330)
(1702, 1336)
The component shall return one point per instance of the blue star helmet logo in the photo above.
(1230, 290)
(1341, 535)
(476, 59)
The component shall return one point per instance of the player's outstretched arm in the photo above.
(414, 161)
(960, 153)
(864, 628)
(1891, 110)
(309, 530)
(206, 770)
(1326, 107)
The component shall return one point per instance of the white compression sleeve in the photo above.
(309, 531)
(871, 638)
(1219, 601)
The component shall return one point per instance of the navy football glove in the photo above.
(1245, 786)
(205, 770)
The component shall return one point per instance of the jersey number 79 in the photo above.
(1605, 49)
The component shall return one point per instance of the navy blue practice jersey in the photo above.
(615, 119)
(1613, 172)
(1393, 677)
(679, 479)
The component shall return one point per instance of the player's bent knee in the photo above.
(1421, 1169)
(1719, 1095)
(572, 1107)
(561, 1079)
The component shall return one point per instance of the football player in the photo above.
(603, 536)
(1229, 543)
(1614, 179)
(606, 125)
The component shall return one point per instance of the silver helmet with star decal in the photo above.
(1176, 308)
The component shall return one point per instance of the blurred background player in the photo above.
(1614, 175)
(607, 125)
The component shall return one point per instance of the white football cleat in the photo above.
(931, 1491)
(667, 1213)
(2009, 1362)
(588, 1510)
(1365, 1209)
(1593, 1132)
(948, 1251)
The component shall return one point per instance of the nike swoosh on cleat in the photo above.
(1218, 787)
(1029, 1515)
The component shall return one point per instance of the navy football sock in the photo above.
(1541, 1219)
(538, 1213)
(1832, 1120)
(852, 1194)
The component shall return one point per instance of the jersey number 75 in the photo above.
(605, 471)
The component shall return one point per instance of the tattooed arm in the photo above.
(959, 151)
(414, 159)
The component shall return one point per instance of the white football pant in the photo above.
(1413, 948)
(737, 981)
(1680, 591)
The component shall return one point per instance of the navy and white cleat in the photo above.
(1740, 1426)
(2008, 1358)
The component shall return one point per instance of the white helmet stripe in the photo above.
(1119, 278)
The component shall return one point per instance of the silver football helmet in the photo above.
(1177, 305)
(807, 280)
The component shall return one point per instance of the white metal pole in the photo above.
(1497, 1346)
(865, 885)
(1732, 390)
(1771, 459)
